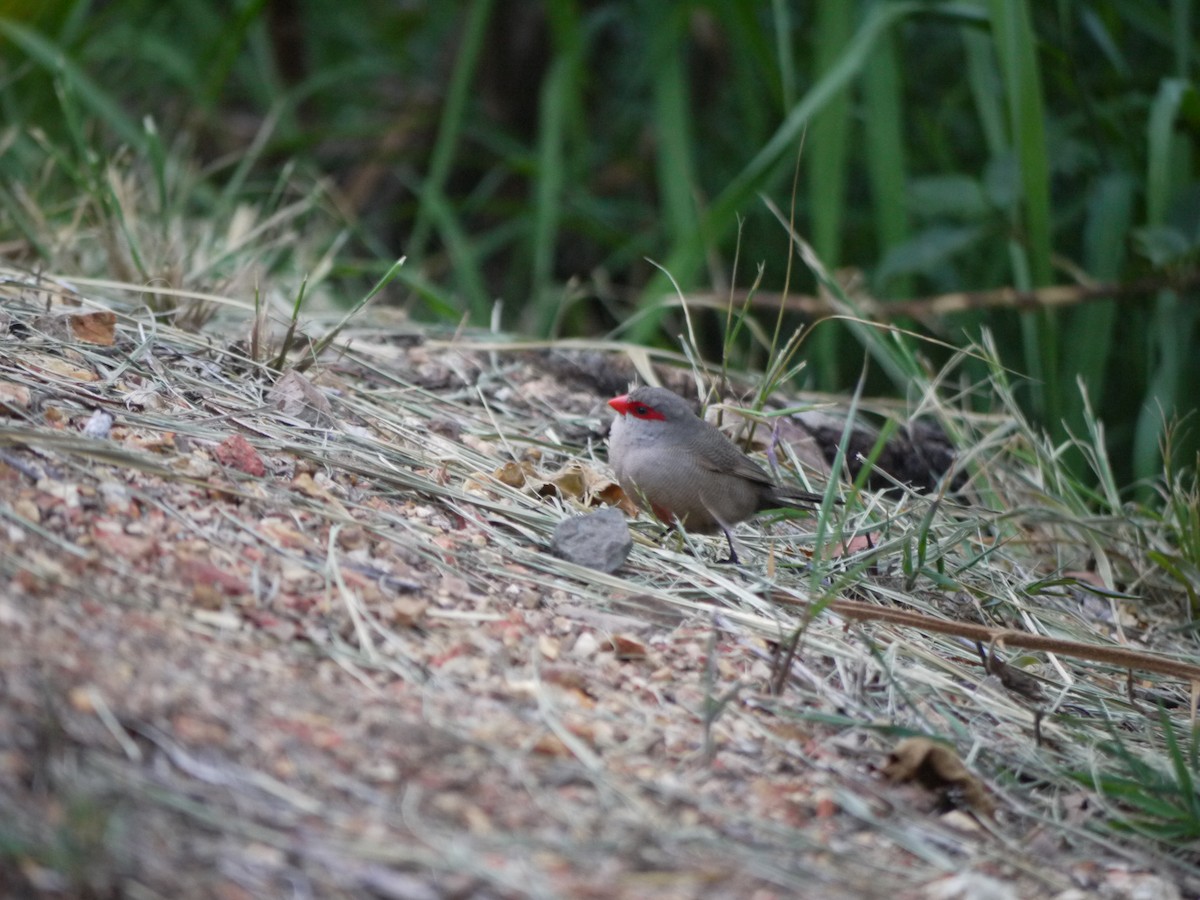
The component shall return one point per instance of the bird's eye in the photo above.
(645, 412)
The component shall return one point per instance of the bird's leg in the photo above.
(733, 557)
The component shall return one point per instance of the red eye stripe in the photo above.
(627, 407)
(642, 411)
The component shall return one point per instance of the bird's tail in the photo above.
(796, 499)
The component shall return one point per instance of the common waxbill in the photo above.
(685, 470)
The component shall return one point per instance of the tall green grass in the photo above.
(551, 156)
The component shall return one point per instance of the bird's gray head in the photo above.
(653, 404)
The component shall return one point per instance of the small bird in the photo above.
(685, 470)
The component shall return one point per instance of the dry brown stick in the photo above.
(947, 304)
(1116, 656)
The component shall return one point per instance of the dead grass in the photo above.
(360, 672)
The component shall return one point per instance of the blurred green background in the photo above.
(553, 155)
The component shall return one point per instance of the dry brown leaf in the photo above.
(626, 647)
(98, 327)
(14, 398)
(549, 647)
(577, 481)
(285, 535)
(551, 745)
(82, 698)
(195, 729)
(237, 453)
(406, 612)
(295, 396)
(570, 678)
(574, 481)
(570, 483)
(25, 506)
(307, 485)
(200, 573)
(95, 327)
(110, 536)
(43, 362)
(162, 442)
(514, 474)
(854, 545)
(612, 494)
(937, 767)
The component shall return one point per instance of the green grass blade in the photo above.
(827, 159)
(226, 49)
(1016, 53)
(1181, 21)
(785, 60)
(672, 118)
(463, 254)
(91, 96)
(1016, 57)
(688, 252)
(884, 153)
(560, 102)
(829, 134)
(452, 119)
(1174, 320)
(1161, 175)
(1110, 213)
(548, 187)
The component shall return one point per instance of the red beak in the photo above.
(620, 404)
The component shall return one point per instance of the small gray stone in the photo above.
(599, 540)
(99, 425)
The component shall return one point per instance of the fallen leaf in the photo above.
(625, 647)
(43, 362)
(237, 453)
(283, 534)
(570, 483)
(197, 572)
(96, 327)
(408, 611)
(612, 494)
(82, 698)
(855, 544)
(572, 678)
(937, 767)
(196, 729)
(548, 646)
(110, 537)
(514, 474)
(307, 485)
(295, 396)
(574, 481)
(14, 398)
(551, 745)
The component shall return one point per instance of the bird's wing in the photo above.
(725, 457)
